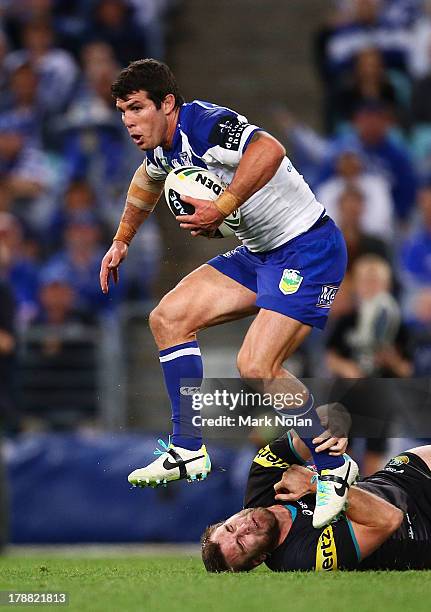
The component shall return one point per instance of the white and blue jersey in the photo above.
(215, 138)
(292, 255)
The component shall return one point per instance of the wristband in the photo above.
(125, 233)
(227, 203)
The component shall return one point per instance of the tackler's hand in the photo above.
(204, 221)
(294, 484)
(327, 442)
(337, 420)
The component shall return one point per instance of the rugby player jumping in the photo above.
(287, 270)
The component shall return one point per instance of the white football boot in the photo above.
(173, 463)
(332, 489)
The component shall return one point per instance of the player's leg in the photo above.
(297, 283)
(271, 339)
(204, 298)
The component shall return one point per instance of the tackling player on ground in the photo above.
(287, 270)
(387, 524)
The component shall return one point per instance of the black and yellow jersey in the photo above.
(304, 548)
(405, 481)
(335, 547)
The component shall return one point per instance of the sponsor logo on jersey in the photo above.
(227, 132)
(399, 460)
(326, 553)
(327, 296)
(393, 470)
(266, 458)
(410, 529)
(290, 281)
(304, 508)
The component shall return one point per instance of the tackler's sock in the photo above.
(181, 363)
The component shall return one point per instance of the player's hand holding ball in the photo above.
(204, 221)
(190, 192)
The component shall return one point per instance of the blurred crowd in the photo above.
(65, 161)
(65, 164)
(370, 166)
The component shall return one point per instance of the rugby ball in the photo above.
(199, 183)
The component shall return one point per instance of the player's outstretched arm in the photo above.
(131, 220)
(142, 196)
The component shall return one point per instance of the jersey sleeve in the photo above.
(267, 468)
(280, 453)
(153, 169)
(220, 135)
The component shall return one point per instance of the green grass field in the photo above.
(170, 584)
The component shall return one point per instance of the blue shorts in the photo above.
(299, 279)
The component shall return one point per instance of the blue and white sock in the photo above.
(179, 363)
(322, 460)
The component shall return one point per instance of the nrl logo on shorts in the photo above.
(290, 281)
(327, 296)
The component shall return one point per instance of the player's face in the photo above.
(147, 125)
(247, 535)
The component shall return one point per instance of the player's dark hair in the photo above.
(148, 75)
(213, 557)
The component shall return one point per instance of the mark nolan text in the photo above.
(249, 421)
